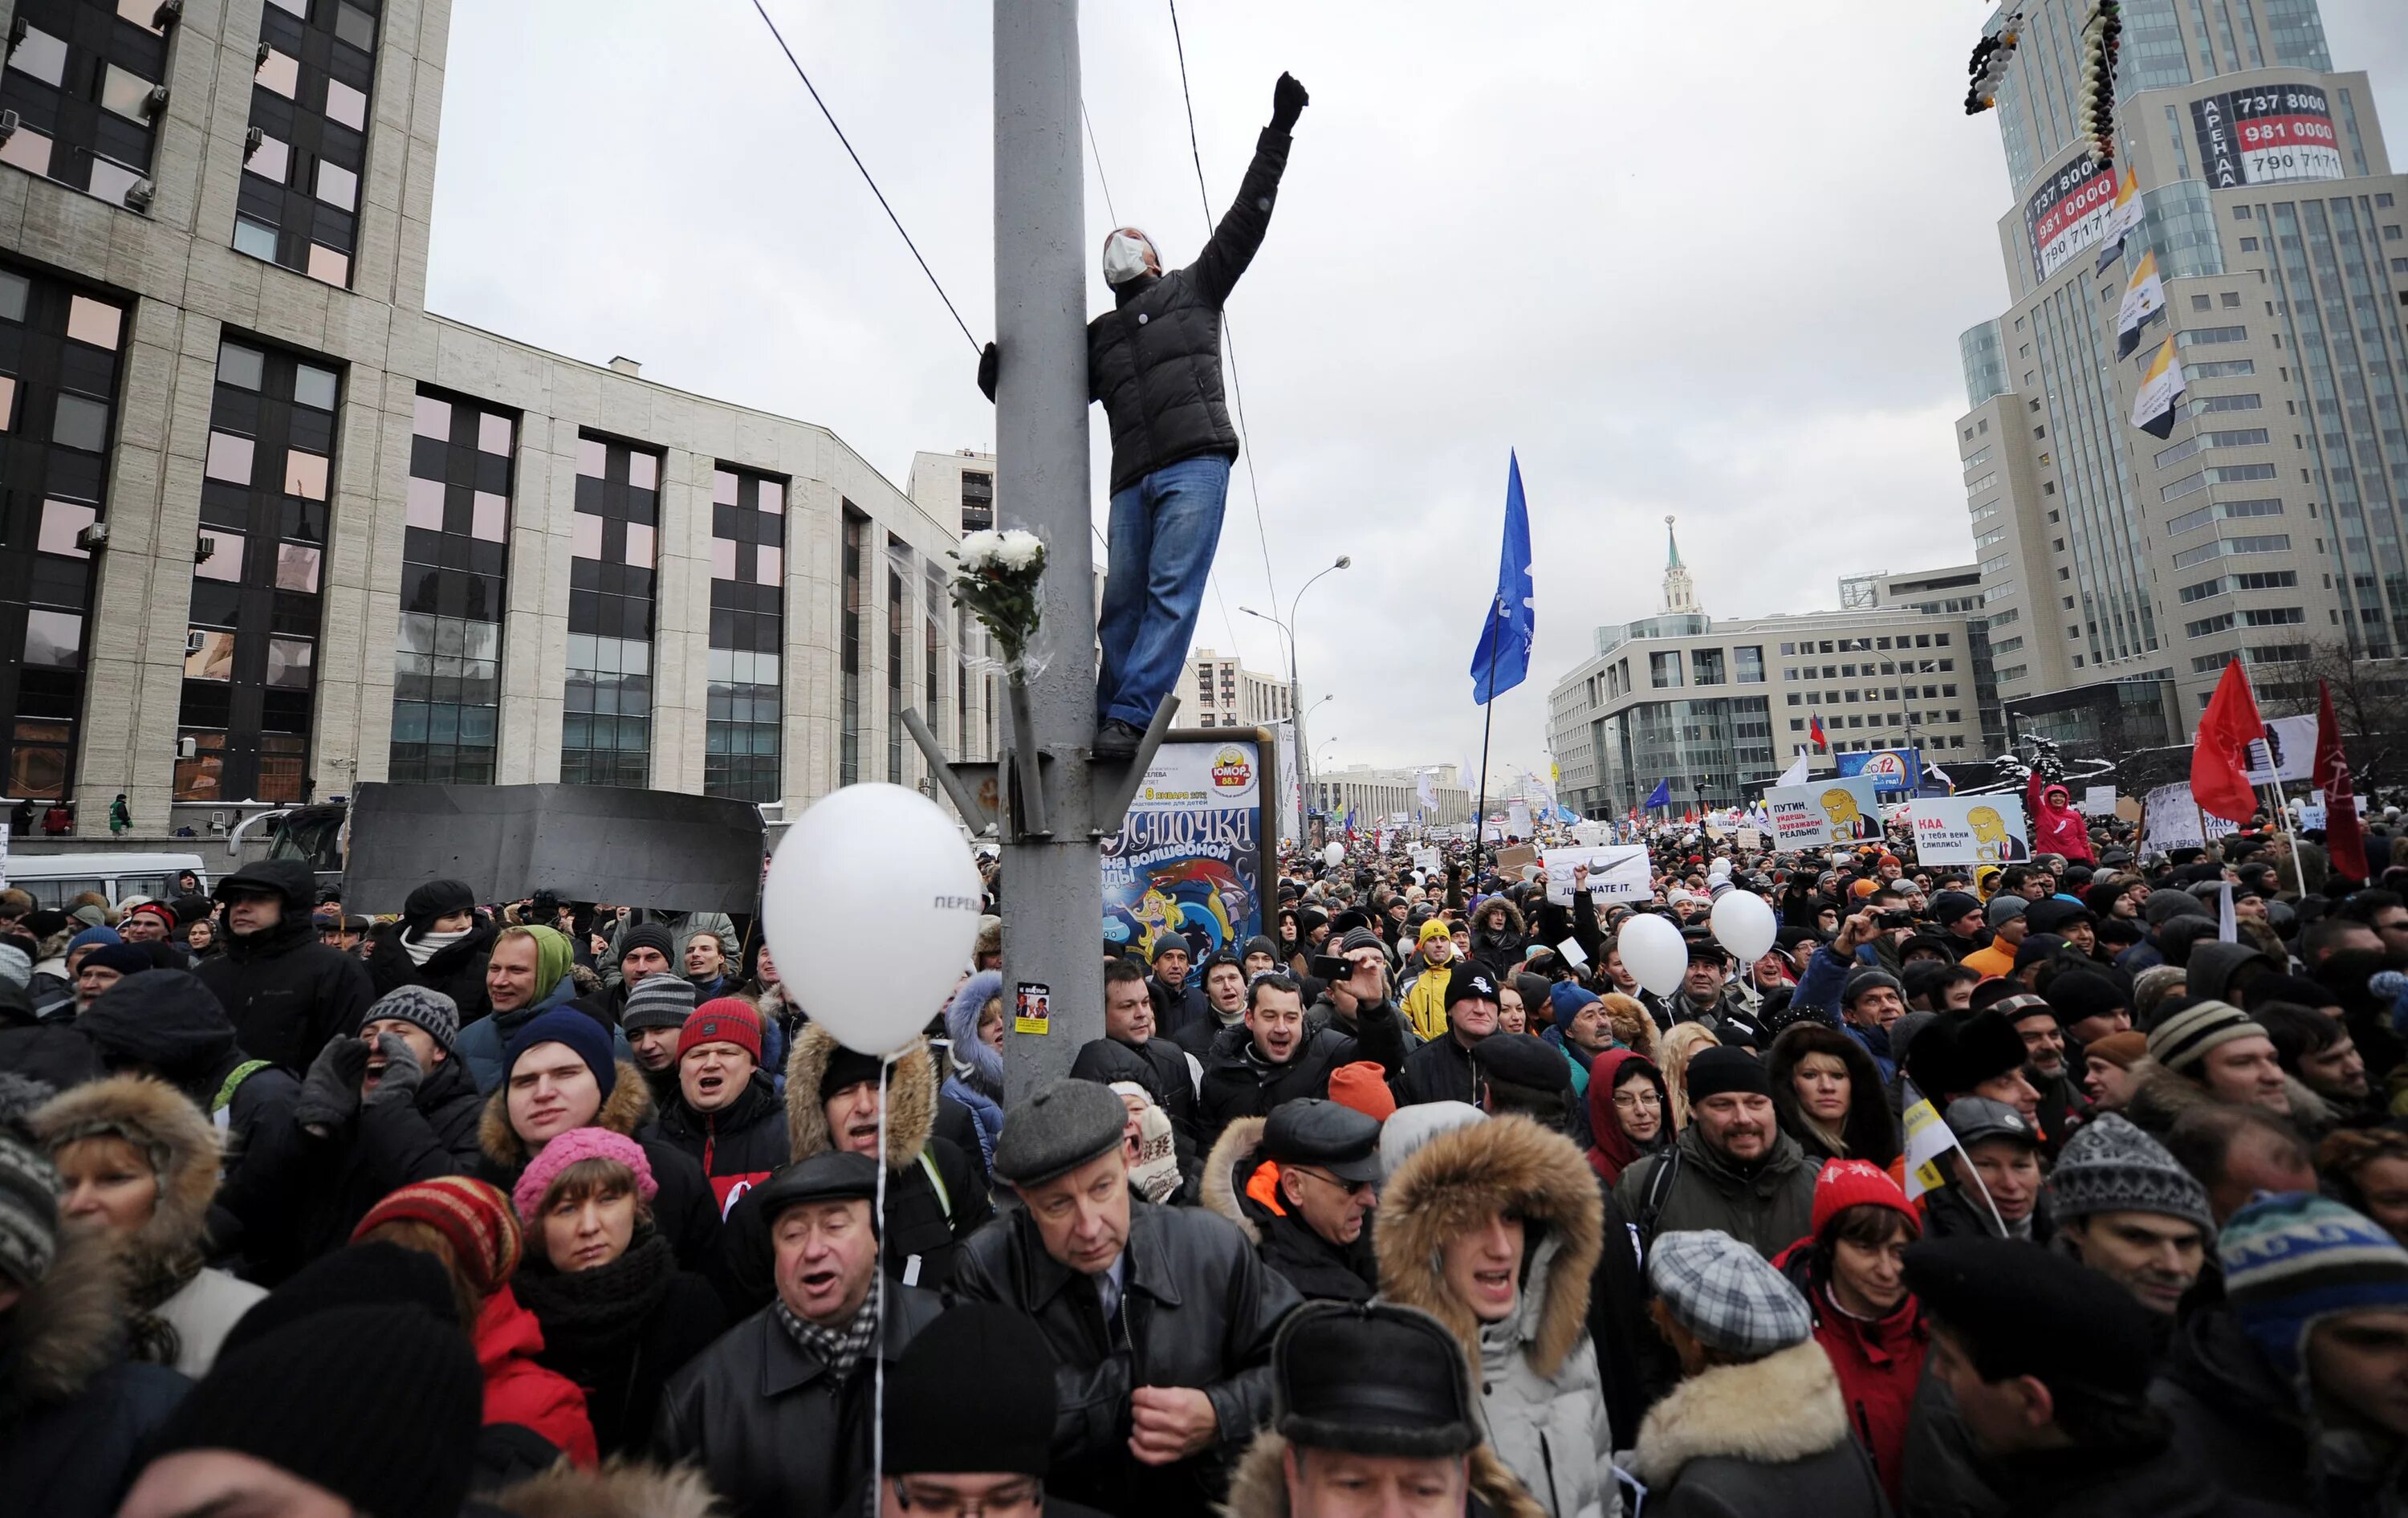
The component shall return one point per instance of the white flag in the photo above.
(1927, 1139)
(1794, 774)
(2162, 391)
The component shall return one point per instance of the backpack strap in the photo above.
(937, 1184)
(1659, 1189)
(234, 1078)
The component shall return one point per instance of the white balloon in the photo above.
(1744, 924)
(1652, 950)
(873, 889)
(1334, 856)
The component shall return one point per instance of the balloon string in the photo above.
(878, 1344)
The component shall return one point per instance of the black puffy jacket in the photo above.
(1156, 360)
(1238, 1082)
(457, 970)
(737, 1146)
(1198, 1308)
(286, 992)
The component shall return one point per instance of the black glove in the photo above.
(989, 362)
(330, 1093)
(1288, 101)
(397, 1083)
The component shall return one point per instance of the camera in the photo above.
(1894, 919)
(545, 905)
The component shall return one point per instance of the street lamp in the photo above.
(1295, 687)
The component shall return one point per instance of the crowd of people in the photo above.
(2076, 1185)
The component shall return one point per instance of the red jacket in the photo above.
(2056, 824)
(1878, 1362)
(518, 1391)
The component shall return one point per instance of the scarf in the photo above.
(840, 1348)
(590, 1318)
(431, 943)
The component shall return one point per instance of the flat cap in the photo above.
(1334, 1137)
(1518, 1059)
(1723, 1291)
(833, 1176)
(1371, 1378)
(1972, 1119)
(1056, 1130)
(1990, 1292)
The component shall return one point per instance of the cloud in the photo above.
(1710, 262)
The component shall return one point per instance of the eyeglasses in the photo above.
(1632, 1101)
(1352, 1188)
(944, 1502)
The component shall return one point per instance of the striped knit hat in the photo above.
(2291, 1261)
(657, 1001)
(2183, 1039)
(473, 1217)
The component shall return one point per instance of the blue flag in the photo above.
(1502, 661)
(1661, 795)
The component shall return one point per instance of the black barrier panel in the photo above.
(656, 849)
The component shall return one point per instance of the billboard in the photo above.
(1969, 830)
(1838, 811)
(1195, 850)
(2270, 134)
(2068, 212)
(1895, 771)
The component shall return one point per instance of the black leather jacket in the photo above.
(1198, 1308)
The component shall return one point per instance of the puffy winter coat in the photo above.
(1541, 1397)
(773, 1427)
(519, 1390)
(1878, 1363)
(2059, 827)
(286, 992)
(1770, 1207)
(1154, 361)
(1242, 1186)
(1198, 1308)
(737, 1146)
(457, 970)
(1768, 1439)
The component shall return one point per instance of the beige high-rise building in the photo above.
(2121, 572)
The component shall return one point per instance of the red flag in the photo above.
(2343, 842)
(2219, 761)
(1815, 732)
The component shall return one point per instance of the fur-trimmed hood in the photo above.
(2160, 1097)
(64, 1330)
(1258, 1487)
(180, 1144)
(1223, 1185)
(620, 1489)
(1457, 1179)
(911, 1097)
(1771, 1412)
(623, 1112)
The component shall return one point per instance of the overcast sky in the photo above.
(1703, 261)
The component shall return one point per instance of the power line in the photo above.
(865, 173)
(1237, 396)
(1099, 161)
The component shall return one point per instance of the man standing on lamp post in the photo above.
(1154, 361)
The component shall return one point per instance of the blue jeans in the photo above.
(1164, 530)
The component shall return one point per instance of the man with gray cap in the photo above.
(1757, 1424)
(655, 1013)
(1302, 1184)
(1373, 1413)
(1999, 1190)
(1161, 1318)
(2007, 929)
(2129, 1210)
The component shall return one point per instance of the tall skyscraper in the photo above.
(2121, 571)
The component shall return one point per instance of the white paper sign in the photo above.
(2099, 800)
(2289, 753)
(1617, 872)
(1969, 830)
(2170, 819)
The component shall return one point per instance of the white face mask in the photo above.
(1124, 258)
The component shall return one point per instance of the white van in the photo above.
(55, 879)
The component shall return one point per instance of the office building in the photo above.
(1376, 796)
(273, 528)
(2121, 572)
(1717, 709)
(1216, 691)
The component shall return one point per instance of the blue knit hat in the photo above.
(1567, 1000)
(566, 1025)
(92, 936)
(2292, 1260)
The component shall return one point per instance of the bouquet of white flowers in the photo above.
(998, 583)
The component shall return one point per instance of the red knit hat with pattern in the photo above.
(473, 1217)
(723, 1020)
(1845, 1183)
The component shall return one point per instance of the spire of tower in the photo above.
(1680, 596)
(1672, 545)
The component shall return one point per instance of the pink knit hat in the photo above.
(567, 1150)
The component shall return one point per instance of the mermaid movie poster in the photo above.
(1196, 848)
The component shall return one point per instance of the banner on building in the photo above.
(1969, 830)
(2144, 301)
(2125, 220)
(1893, 770)
(2068, 212)
(2289, 751)
(1192, 853)
(2272, 134)
(1617, 872)
(2170, 819)
(2161, 395)
(1838, 811)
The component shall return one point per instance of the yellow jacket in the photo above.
(1425, 1003)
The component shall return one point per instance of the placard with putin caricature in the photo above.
(1969, 830)
(1840, 810)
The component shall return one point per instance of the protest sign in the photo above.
(2170, 819)
(1826, 811)
(1617, 872)
(1969, 830)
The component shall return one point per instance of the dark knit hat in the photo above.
(657, 1001)
(2110, 1165)
(378, 1273)
(1948, 906)
(125, 958)
(648, 935)
(436, 899)
(1869, 978)
(1952, 1056)
(378, 1405)
(580, 1033)
(421, 1007)
(1470, 980)
(1361, 937)
(1991, 1292)
(1371, 1378)
(165, 1020)
(1058, 1129)
(849, 1068)
(2077, 994)
(1001, 1352)
(1722, 1067)
(29, 1209)
(1532, 1064)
